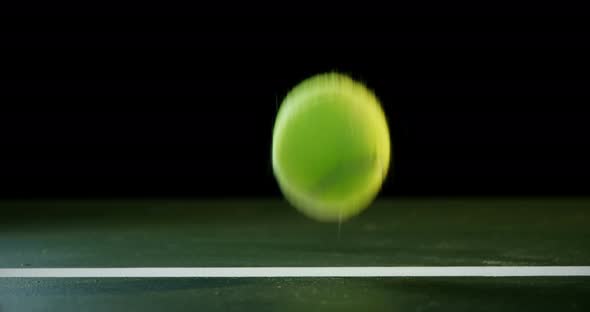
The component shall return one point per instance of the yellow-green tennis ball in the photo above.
(331, 147)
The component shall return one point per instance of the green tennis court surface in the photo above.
(268, 233)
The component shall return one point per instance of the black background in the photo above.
(126, 105)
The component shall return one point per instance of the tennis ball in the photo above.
(330, 147)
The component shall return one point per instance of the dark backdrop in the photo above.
(184, 105)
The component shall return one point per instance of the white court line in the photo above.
(458, 271)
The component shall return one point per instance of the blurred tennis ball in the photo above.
(331, 147)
